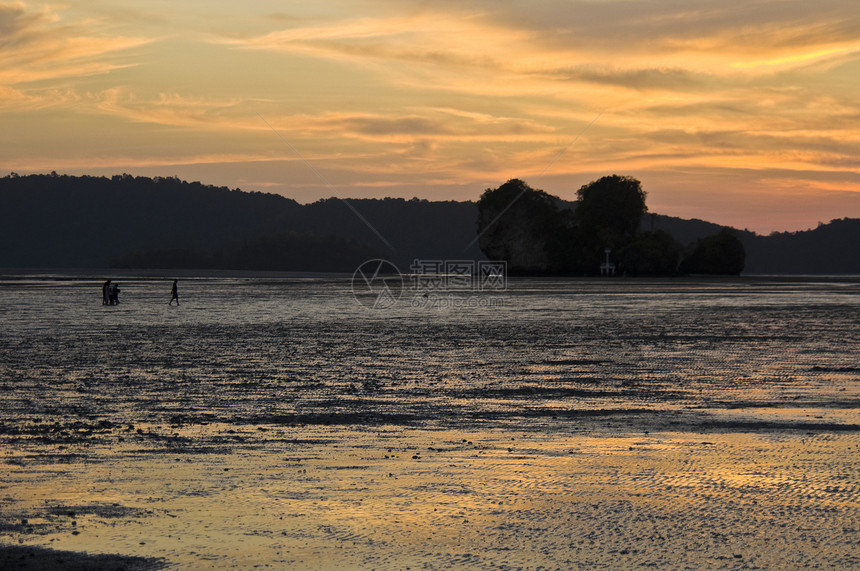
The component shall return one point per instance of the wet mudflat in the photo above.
(558, 424)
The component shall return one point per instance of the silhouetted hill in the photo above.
(687, 232)
(275, 252)
(413, 229)
(832, 248)
(62, 221)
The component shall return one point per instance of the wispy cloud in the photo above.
(37, 45)
(171, 109)
(427, 38)
(15, 100)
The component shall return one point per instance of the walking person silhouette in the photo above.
(175, 293)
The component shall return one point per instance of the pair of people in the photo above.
(110, 293)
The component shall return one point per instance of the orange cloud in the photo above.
(37, 46)
(171, 109)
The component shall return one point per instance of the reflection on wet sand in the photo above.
(389, 497)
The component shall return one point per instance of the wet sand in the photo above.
(714, 431)
(385, 497)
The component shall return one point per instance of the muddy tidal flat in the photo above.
(558, 424)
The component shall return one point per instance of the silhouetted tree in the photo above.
(720, 254)
(610, 210)
(536, 233)
(520, 225)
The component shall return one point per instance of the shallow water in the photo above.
(258, 400)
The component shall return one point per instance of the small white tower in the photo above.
(607, 268)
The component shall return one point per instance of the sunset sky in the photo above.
(741, 112)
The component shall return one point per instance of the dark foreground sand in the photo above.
(38, 559)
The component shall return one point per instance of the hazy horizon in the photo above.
(738, 113)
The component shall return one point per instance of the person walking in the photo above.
(175, 293)
(106, 293)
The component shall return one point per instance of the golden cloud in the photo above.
(37, 46)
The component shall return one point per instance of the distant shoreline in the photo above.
(153, 274)
(99, 274)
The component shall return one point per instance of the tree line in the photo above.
(62, 221)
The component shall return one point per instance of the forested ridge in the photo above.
(60, 221)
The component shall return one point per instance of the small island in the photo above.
(601, 234)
